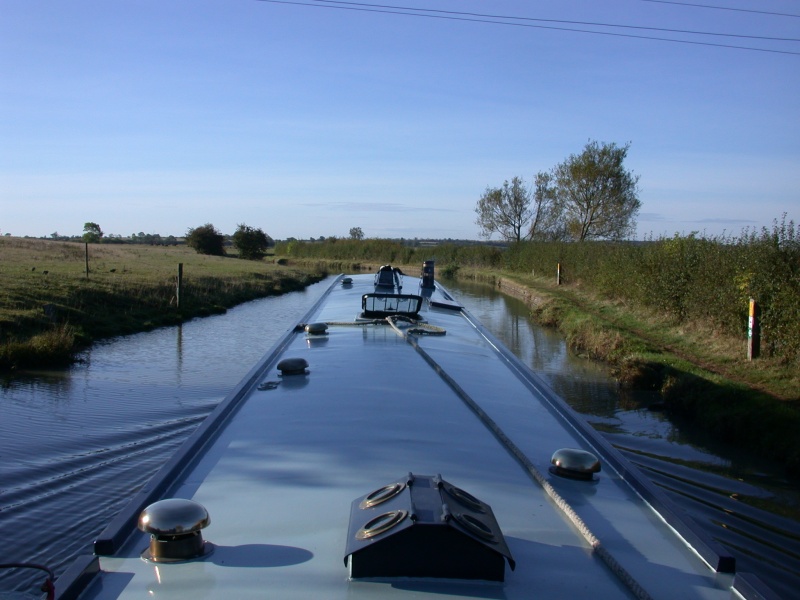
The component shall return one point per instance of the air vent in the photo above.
(381, 524)
(423, 526)
(174, 526)
(316, 328)
(574, 464)
(293, 366)
(381, 495)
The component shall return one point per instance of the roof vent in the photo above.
(316, 328)
(574, 464)
(174, 526)
(423, 526)
(293, 366)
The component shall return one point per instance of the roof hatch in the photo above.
(423, 526)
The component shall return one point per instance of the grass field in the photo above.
(49, 307)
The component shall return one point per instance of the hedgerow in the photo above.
(686, 277)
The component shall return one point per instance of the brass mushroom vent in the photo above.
(174, 526)
(574, 464)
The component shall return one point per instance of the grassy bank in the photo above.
(49, 308)
(700, 373)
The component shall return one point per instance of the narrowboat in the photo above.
(388, 446)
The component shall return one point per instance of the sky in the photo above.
(307, 118)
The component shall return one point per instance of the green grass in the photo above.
(700, 373)
(690, 279)
(49, 308)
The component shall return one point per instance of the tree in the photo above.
(598, 196)
(518, 213)
(547, 223)
(92, 233)
(505, 210)
(206, 240)
(251, 243)
(356, 233)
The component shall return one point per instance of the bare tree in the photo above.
(505, 210)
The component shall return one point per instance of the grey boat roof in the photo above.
(281, 460)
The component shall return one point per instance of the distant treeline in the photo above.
(688, 277)
(151, 239)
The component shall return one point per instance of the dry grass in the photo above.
(45, 289)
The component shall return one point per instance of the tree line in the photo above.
(250, 242)
(588, 196)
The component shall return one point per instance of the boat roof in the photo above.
(282, 462)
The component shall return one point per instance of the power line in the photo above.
(514, 22)
(539, 20)
(746, 10)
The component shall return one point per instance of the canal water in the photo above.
(76, 443)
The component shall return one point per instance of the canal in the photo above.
(76, 443)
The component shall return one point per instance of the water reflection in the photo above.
(179, 346)
(723, 488)
(80, 441)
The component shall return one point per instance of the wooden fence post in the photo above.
(558, 274)
(86, 257)
(753, 331)
(179, 292)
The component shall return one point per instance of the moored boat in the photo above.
(389, 446)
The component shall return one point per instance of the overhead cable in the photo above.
(746, 10)
(515, 22)
(561, 21)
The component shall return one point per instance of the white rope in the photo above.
(414, 326)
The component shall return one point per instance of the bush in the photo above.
(251, 243)
(206, 240)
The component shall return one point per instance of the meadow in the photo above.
(50, 307)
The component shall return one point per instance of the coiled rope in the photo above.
(396, 322)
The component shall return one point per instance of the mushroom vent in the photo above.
(174, 526)
(574, 464)
(423, 526)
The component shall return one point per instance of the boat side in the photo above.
(281, 461)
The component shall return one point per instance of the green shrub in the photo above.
(686, 277)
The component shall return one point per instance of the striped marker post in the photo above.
(753, 331)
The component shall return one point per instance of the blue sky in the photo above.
(153, 116)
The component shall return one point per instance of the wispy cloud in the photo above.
(375, 207)
(649, 217)
(725, 221)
